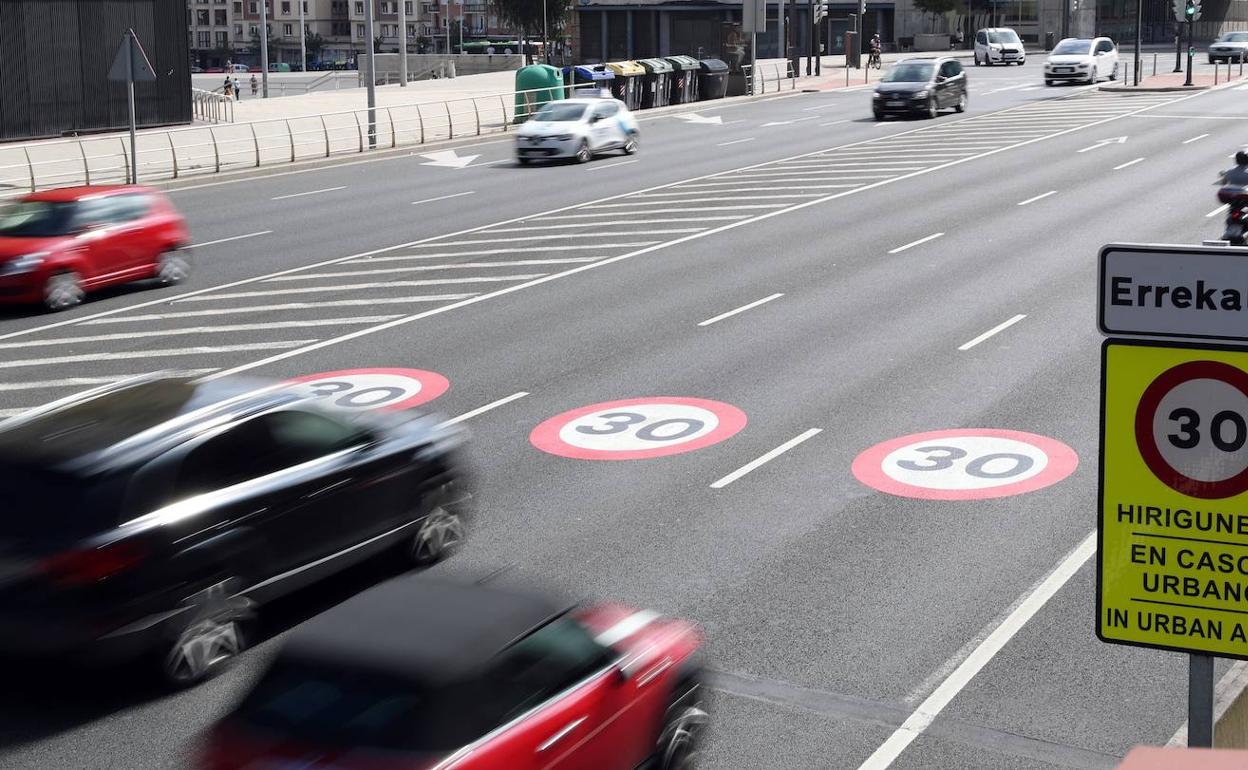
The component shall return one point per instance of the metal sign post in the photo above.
(1190, 51)
(131, 64)
(753, 21)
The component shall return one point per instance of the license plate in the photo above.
(894, 104)
(1061, 69)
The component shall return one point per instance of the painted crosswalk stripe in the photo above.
(334, 289)
(479, 253)
(430, 268)
(189, 331)
(190, 350)
(282, 308)
(78, 382)
(227, 240)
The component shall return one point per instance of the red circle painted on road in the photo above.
(638, 428)
(964, 464)
(1145, 414)
(375, 388)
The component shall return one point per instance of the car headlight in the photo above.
(23, 264)
(920, 94)
(877, 95)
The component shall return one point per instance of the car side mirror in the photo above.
(594, 119)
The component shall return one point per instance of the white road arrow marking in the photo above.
(1104, 142)
(693, 117)
(448, 159)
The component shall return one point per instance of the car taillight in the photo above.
(84, 566)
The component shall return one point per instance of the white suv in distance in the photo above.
(999, 44)
(1082, 60)
(1229, 47)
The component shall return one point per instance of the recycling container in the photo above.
(628, 83)
(536, 85)
(655, 89)
(684, 80)
(712, 79)
(588, 79)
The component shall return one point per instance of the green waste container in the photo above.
(627, 85)
(536, 85)
(655, 89)
(683, 81)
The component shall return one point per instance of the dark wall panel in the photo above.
(57, 54)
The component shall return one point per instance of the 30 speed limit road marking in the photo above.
(365, 389)
(638, 428)
(965, 464)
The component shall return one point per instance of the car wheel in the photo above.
(583, 154)
(63, 290)
(932, 109)
(1092, 78)
(172, 268)
(630, 144)
(440, 531)
(1048, 82)
(877, 115)
(211, 636)
(683, 727)
(961, 105)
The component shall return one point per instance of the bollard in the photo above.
(1154, 63)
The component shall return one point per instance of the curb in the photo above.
(1149, 89)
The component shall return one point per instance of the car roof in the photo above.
(67, 194)
(589, 100)
(122, 423)
(432, 631)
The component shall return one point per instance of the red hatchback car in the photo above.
(56, 245)
(419, 674)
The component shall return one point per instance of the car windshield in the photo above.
(36, 219)
(1076, 47)
(342, 707)
(1003, 36)
(1234, 37)
(560, 113)
(910, 72)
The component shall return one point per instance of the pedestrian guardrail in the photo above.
(775, 74)
(212, 106)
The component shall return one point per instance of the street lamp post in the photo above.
(303, 40)
(545, 36)
(372, 75)
(403, 43)
(264, 48)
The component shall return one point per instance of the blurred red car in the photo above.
(56, 245)
(421, 674)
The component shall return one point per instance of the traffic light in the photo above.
(821, 12)
(1191, 11)
(1074, 6)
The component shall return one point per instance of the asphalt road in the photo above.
(836, 613)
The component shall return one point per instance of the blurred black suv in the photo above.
(152, 516)
(921, 86)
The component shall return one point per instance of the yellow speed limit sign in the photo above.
(1173, 562)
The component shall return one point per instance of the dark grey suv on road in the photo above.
(920, 86)
(153, 516)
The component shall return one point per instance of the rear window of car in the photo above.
(343, 707)
(560, 113)
(36, 219)
(48, 506)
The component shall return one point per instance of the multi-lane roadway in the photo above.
(840, 321)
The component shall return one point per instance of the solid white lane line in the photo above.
(742, 183)
(912, 244)
(474, 253)
(745, 189)
(574, 225)
(743, 197)
(1219, 210)
(735, 141)
(521, 238)
(333, 289)
(369, 319)
(185, 351)
(1121, 166)
(77, 382)
(1195, 139)
(923, 716)
(227, 240)
(282, 308)
(309, 192)
(611, 165)
(483, 409)
(994, 330)
(764, 459)
(445, 197)
(1041, 196)
(741, 309)
(427, 268)
(833, 123)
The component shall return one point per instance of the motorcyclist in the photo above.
(1238, 176)
(1234, 192)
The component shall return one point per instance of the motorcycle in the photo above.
(1236, 198)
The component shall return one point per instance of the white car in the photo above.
(1082, 60)
(999, 44)
(578, 129)
(1229, 47)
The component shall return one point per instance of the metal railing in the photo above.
(757, 78)
(212, 106)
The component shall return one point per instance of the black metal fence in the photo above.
(56, 55)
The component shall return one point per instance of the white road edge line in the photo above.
(1041, 196)
(611, 165)
(735, 141)
(773, 454)
(994, 330)
(483, 409)
(741, 309)
(444, 197)
(1217, 211)
(912, 244)
(923, 716)
(309, 192)
(227, 240)
(1195, 139)
(1121, 166)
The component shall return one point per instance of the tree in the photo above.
(526, 15)
(935, 8)
(313, 43)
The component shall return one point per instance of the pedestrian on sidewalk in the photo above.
(255, 85)
(228, 88)
(238, 92)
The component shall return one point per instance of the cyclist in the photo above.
(876, 47)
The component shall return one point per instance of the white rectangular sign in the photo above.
(754, 16)
(1154, 290)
